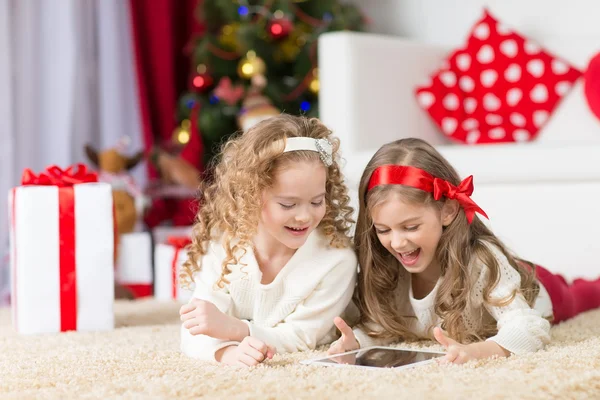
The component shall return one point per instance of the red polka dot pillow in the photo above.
(501, 87)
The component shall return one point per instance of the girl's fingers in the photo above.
(336, 348)
(252, 352)
(188, 315)
(451, 355)
(271, 351)
(462, 357)
(256, 344)
(186, 308)
(343, 327)
(190, 323)
(442, 339)
(247, 360)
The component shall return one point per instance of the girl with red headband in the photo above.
(430, 268)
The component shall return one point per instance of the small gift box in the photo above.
(162, 233)
(134, 263)
(61, 252)
(168, 259)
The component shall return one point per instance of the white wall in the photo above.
(569, 28)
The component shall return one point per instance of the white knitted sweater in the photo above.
(521, 328)
(294, 312)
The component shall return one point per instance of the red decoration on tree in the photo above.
(227, 92)
(592, 85)
(280, 28)
(202, 82)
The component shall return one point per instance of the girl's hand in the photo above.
(202, 317)
(248, 353)
(457, 353)
(345, 343)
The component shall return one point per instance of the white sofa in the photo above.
(542, 197)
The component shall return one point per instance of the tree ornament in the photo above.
(251, 65)
(313, 85)
(228, 37)
(288, 48)
(202, 82)
(280, 28)
(201, 68)
(256, 106)
(228, 92)
(181, 134)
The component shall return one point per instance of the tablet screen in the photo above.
(381, 357)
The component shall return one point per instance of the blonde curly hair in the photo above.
(460, 242)
(230, 202)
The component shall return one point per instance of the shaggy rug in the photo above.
(140, 359)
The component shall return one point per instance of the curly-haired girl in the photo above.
(271, 257)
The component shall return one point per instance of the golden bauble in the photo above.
(290, 46)
(228, 37)
(251, 65)
(201, 69)
(313, 86)
(181, 135)
(289, 50)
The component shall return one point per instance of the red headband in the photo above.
(419, 179)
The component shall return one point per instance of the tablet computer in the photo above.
(378, 357)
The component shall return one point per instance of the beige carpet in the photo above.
(140, 359)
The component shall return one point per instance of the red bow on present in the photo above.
(423, 180)
(179, 241)
(56, 176)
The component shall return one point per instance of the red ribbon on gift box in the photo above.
(179, 242)
(64, 179)
(55, 176)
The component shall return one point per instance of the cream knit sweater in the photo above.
(294, 312)
(521, 328)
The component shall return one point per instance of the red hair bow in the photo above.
(461, 193)
(423, 180)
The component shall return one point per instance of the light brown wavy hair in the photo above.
(231, 201)
(461, 242)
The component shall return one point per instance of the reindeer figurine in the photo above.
(128, 199)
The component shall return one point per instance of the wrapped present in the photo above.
(134, 264)
(161, 234)
(168, 259)
(61, 252)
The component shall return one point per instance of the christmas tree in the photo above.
(255, 59)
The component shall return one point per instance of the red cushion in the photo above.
(592, 85)
(500, 87)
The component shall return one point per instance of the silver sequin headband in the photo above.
(321, 146)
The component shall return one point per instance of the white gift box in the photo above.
(62, 258)
(134, 263)
(168, 260)
(160, 234)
